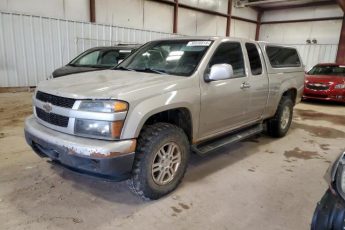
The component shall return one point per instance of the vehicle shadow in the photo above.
(202, 166)
(116, 192)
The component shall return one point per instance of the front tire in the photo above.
(161, 161)
(279, 125)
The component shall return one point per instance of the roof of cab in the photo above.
(215, 38)
(204, 38)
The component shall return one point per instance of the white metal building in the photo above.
(36, 40)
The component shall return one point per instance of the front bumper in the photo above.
(329, 213)
(337, 95)
(108, 159)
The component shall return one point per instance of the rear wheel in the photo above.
(279, 125)
(161, 160)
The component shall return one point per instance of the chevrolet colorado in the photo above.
(141, 120)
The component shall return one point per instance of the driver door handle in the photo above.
(245, 85)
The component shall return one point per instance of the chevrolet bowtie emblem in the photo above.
(47, 107)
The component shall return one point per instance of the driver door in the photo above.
(224, 102)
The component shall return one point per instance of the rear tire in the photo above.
(161, 160)
(279, 125)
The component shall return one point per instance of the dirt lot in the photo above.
(262, 183)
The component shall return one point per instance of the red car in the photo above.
(325, 82)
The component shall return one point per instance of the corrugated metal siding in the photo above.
(31, 47)
(317, 53)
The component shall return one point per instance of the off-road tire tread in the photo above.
(273, 124)
(148, 133)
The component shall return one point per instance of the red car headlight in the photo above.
(339, 86)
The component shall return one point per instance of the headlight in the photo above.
(98, 129)
(340, 86)
(103, 106)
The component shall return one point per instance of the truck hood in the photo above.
(109, 84)
(325, 79)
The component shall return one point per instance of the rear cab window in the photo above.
(283, 57)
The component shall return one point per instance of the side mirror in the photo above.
(220, 72)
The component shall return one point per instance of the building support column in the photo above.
(341, 45)
(228, 18)
(175, 21)
(342, 4)
(92, 11)
(258, 25)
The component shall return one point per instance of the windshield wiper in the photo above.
(123, 68)
(150, 70)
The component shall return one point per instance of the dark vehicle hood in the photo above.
(66, 70)
(325, 79)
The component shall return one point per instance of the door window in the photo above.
(88, 59)
(254, 59)
(101, 58)
(230, 53)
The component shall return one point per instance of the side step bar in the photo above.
(208, 146)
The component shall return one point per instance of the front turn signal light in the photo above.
(120, 106)
(116, 129)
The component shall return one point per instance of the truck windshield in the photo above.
(332, 70)
(176, 57)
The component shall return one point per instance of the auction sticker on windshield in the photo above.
(199, 43)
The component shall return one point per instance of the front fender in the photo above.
(142, 111)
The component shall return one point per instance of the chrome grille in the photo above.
(52, 118)
(55, 100)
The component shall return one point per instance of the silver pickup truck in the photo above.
(141, 120)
